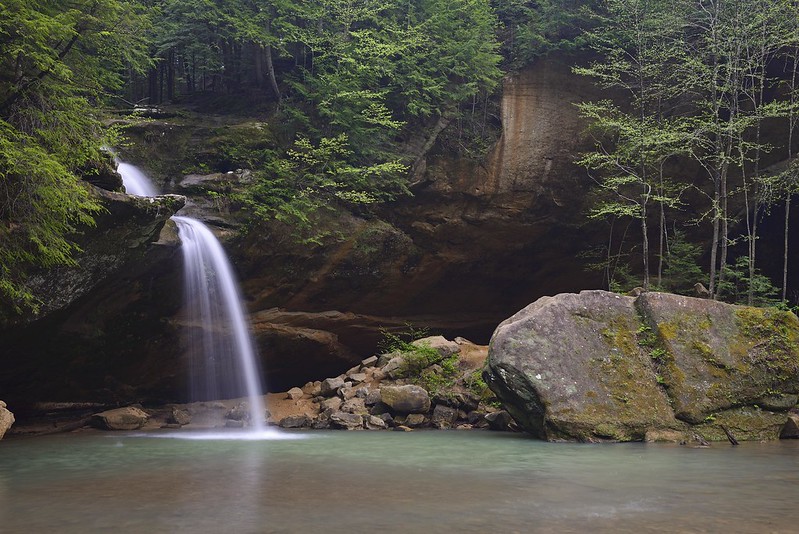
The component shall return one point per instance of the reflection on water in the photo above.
(390, 482)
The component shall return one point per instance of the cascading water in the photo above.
(224, 363)
(219, 342)
(135, 181)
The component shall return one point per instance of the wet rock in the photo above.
(330, 386)
(791, 428)
(129, 418)
(379, 409)
(444, 416)
(405, 399)
(415, 420)
(464, 426)
(240, 412)
(321, 423)
(372, 422)
(295, 421)
(294, 394)
(346, 421)
(665, 436)
(6, 419)
(403, 428)
(499, 420)
(386, 418)
(234, 423)
(178, 417)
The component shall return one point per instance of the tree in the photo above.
(57, 60)
(638, 41)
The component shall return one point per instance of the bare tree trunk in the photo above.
(270, 70)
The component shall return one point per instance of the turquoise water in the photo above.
(390, 482)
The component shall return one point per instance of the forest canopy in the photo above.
(354, 85)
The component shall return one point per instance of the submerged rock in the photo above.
(6, 419)
(599, 366)
(128, 418)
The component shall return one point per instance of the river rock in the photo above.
(405, 399)
(444, 416)
(415, 420)
(128, 418)
(295, 421)
(372, 422)
(346, 421)
(330, 386)
(178, 417)
(500, 420)
(791, 428)
(6, 419)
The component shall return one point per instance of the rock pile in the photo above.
(435, 383)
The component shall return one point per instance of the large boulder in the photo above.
(715, 356)
(406, 399)
(570, 367)
(128, 418)
(600, 366)
(6, 419)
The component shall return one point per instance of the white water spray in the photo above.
(135, 181)
(222, 345)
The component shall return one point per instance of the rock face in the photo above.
(6, 419)
(600, 366)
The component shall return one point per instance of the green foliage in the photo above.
(57, 60)
(682, 269)
(737, 283)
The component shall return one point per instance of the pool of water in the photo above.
(390, 482)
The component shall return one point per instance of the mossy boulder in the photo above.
(570, 367)
(600, 366)
(714, 356)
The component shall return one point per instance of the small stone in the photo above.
(444, 346)
(294, 394)
(373, 397)
(362, 392)
(386, 417)
(415, 420)
(347, 421)
(295, 421)
(357, 378)
(444, 416)
(499, 420)
(330, 386)
(371, 361)
(353, 405)
(129, 418)
(178, 417)
(393, 367)
(333, 403)
(406, 399)
(383, 359)
(346, 392)
(372, 422)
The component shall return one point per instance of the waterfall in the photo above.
(219, 338)
(223, 360)
(135, 181)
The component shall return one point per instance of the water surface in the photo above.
(390, 482)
